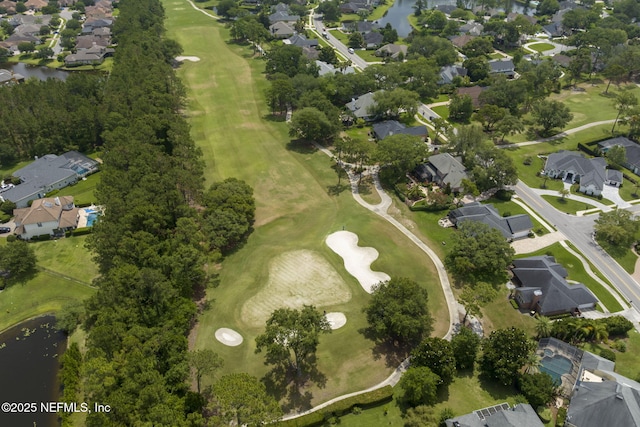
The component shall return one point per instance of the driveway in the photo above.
(613, 193)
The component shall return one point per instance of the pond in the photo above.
(37, 71)
(29, 354)
(398, 13)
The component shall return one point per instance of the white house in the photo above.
(46, 216)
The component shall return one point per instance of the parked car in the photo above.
(5, 230)
(351, 51)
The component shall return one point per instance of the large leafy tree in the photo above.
(460, 108)
(229, 214)
(439, 49)
(399, 154)
(243, 400)
(17, 261)
(437, 355)
(291, 338)
(398, 312)
(504, 353)
(312, 124)
(539, 389)
(617, 228)
(550, 115)
(491, 167)
(478, 252)
(465, 345)
(390, 103)
(475, 296)
(624, 103)
(420, 386)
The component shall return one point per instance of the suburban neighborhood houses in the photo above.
(325, 213)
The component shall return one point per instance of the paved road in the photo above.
(337, 44)
(65, 14)
(579, 232)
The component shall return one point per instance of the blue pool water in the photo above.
(556, 366)
(91, 218)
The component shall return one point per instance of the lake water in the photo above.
(401, 9)
(39, 72)
(29, 355)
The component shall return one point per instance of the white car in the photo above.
(351, 51)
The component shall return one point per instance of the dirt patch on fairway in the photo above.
(357, 259)
(296, 278)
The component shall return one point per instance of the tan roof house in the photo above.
(35, 4)
(46, 216)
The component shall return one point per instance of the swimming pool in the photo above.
(91, 218)
(555, 366)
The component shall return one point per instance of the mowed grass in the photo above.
(297, 207)
(83, 191)
(45, 293)
(541, 47)
(566, 205)
(68, 257)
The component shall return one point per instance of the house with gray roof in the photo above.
(521, 415)
(511, 227)
(450, 72)
(541, 286)
(283, 17)
(301, 41)
(324, 69)
(281, 30)
(9, 77)
(632, 151)
(372, 39)
(393, 51)
(502, 66)
(48, 173)
(387, 128)
(472, 28)
(360, 106)
(443, 169)
(573, 167)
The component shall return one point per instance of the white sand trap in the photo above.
(228, 337)
(296, 278)
(187, 58)
(336, 320)
(357, 260)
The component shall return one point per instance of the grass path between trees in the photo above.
(298, 205)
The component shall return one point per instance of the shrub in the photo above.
(608, 354)
(514, 304)
(617, 325)
(52, 193)
(81, 231)
(561, 417)
(356, 410)
(12, 238)
(527, 160)
(619, 345)
(504, 195)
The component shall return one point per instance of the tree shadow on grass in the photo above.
(285, 387)
(300, 146)
(496, 390)
(275, 117)
(336, 190)
(393, 352)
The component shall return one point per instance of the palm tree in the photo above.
(600, 332)
(543, 327)
(532, 364)
(564, 193)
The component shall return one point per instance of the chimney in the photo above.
(537, 294)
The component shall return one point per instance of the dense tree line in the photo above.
(151, 244)
(52, 116)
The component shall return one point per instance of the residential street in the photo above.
(578, 231)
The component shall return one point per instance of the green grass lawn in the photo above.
(443, 97)
(628, 362)
(68, 257)
(624, 256)
(368, 55)
(541, 47)
(343, 37)
(45, 293)
(297, 207)
(442, 111)
(83, 191)
(566, 205)
(465, 394)
(380, 10)
(578, 273)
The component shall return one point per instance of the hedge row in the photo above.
(81, 231)
(399, 193)
(371, 398)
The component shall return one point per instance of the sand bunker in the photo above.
(187, 58)
(336, 320)
(228, 337)
(296, 278)
(357, 260)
